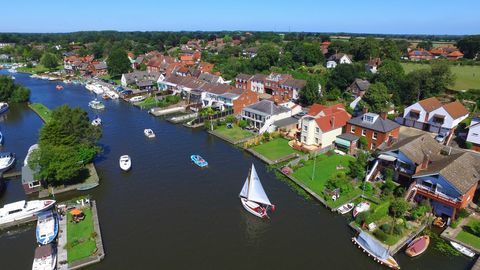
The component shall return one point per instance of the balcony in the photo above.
(438, 196)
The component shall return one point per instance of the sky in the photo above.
(352, 16)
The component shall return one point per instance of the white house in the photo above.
(338, 58)
(474, 133)
(263, 114)
(431, 115)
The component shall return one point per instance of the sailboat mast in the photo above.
(248, 179)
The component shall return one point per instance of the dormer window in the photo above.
(370, 118)
(438, 119)
(414, 114)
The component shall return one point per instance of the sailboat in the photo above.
(253, 196)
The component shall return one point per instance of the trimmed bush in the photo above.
(386, 228)
(398, 229)
(380, 235)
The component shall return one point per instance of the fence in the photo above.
(202, 119)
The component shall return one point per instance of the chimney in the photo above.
(365, 109)
(425, 161)
(383, 115)
(332, 121)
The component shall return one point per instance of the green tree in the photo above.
(310, 94)
(399, 207)
(470, 46)
(426, 45)
(377, 97)
(392, 75)
(49, 60)
(11, 92)
(341, 77)
(184, 40)
(358, 166)
(118, 63)
(227, 39)
(389, 50)
(267, 56)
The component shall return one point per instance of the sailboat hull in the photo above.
(254, 208)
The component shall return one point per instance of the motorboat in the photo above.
(7, 159)
(1, 138)
(3, 107)
(96, 104)
(464, 250)
(345, 208)
(125, 162)
(59, 87)
(361, 207)
(418, 246)
(97, 89)
(89, 87)
(23, 210)
(97, 122)
(47, 227)
(112, 94)
(29, 152)
(105, 96)
(375, 250)
(45, 258)
(137, 99)
(149, 133)
(253, 196)
(199, 161)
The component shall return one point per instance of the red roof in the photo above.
(332, 117)
(455, 54)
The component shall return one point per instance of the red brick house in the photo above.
(417, 55)
(377, 129)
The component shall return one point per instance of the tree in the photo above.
(364, 49)
(11, 92)
(118, 63)
(399, 207)
(227, 39)
(358, 166)
(49, 60)
(305, 53)
(470, 46)
(267, 56)
(184, 40)
(341, 77)
(310, 94)
(426, 45)
(389, 50)
(392, 75)
(377, 97)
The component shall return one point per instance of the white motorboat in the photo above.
(149, 133)
(342, 210)
(464, 250)
(45, 258)
(3, 107)
(97, 89)
(137, 99)
(97, 122)
(253, 196)
(361, 207)
(30, 151)
(7, 159)
(96, 104)
(89, 87)
(125, 162)
(47, 227)
(112, 94)
(23, 209)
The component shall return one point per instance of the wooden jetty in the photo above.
(17, 223)
(9, 175)
(476, 266)
(161, 111)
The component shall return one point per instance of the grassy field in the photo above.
(80, 242)
(467, 237)
(36, 69)
(235, 133)
(468, 77)
(274, 149)
(42, 111)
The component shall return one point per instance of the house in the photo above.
(6, 44)
(210, 78)
(242, 81)
(372, 65)
(448, 52)
(236, 99)
(417, 55)
(322, 124)
(190, 57)
(433, 116)
(338, 58)
(29, 183)
(250, 52)
(142, 79)
(378, 131)
(98, 68)
(358, 87)
(324, 46)
(474, 133)
(74, 63)
(261, 115)
(205, 67)
(455, 55)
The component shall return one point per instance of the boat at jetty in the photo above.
(375, 250)
(464, 250)
(418, 246)
(1, 138)
(29, 152)
(95, 104)
(45, 258)
(342, 210)
(97, 122)
(3, 107)
(361, 207)
(7, 159)
(137, 99)
(199, 161)
(112, 94)
(97, 89)
(253, 196)
(89, 87)
(23, 210)
(125, 162)
(59, 87)
(149, 133)
(47, 227)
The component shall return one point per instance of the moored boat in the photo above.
(253, 196)
(375, 250)
(361, 207)
(462, 249)
(59, 87)
(199, 161)
(112, 94)
(149, 133)
(97, 89)
(7, 159)
(1, 138)
(418, 246)
(97, 122)
(47, 227)
(345, 208)
(137, 99)
(3, 107)
(125, 162)
(45, 258)
(23, 210)
(95, 104)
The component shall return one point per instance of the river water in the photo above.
(166, 213)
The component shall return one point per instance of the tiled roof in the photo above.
(294, 83)
(268, 107)
(244, 77)
(380, 125)
(363, 85)
(456, 109)
(430, 104)
(333, 121)
(416, 147)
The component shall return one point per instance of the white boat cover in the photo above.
(387, 157)
(372, 246)
(253, 190)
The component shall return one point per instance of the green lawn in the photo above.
(107, 77)
(36, 69)
(274, 149)
(467, 77)
(378, 211)
(80, 242)
(235, 133)
(42, 111)
(469, 238)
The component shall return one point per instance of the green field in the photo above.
(467, 77)
(42, 111)
(80, 237)
(468, 238)
(36, 69)
(235, 133)
(274, 149)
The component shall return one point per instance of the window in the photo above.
(352, 129)
(374, 135)
(373, 145)
(305, 127)
(34, 184)
(364, 132)
(304, 139)
(317, 130)
(316, 140)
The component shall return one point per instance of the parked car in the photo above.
(440, 138)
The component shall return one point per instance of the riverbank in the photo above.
(42, 111)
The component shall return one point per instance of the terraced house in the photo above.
(280, 87)
(378, 131)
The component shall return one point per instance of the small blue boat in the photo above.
(3, 107)
(1, 138)
(47, 227)
(199, 161)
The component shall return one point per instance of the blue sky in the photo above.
(359, 16)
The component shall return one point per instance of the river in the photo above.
(166, 213)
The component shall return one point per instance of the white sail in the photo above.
(256, 193)
(244, 191)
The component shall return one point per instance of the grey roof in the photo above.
(209, 77)
(380, 125)
(286, 122)
(139, 59)
(267, 107)
(363, 85)
(294, 83)
(27, 175)
(133, 77)
(461, 170)
(144, 83)
(416, 147)
(259, 77)
(242, 76)
(336, 57)
(101, 65)
(230, 95)
(348, 137)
